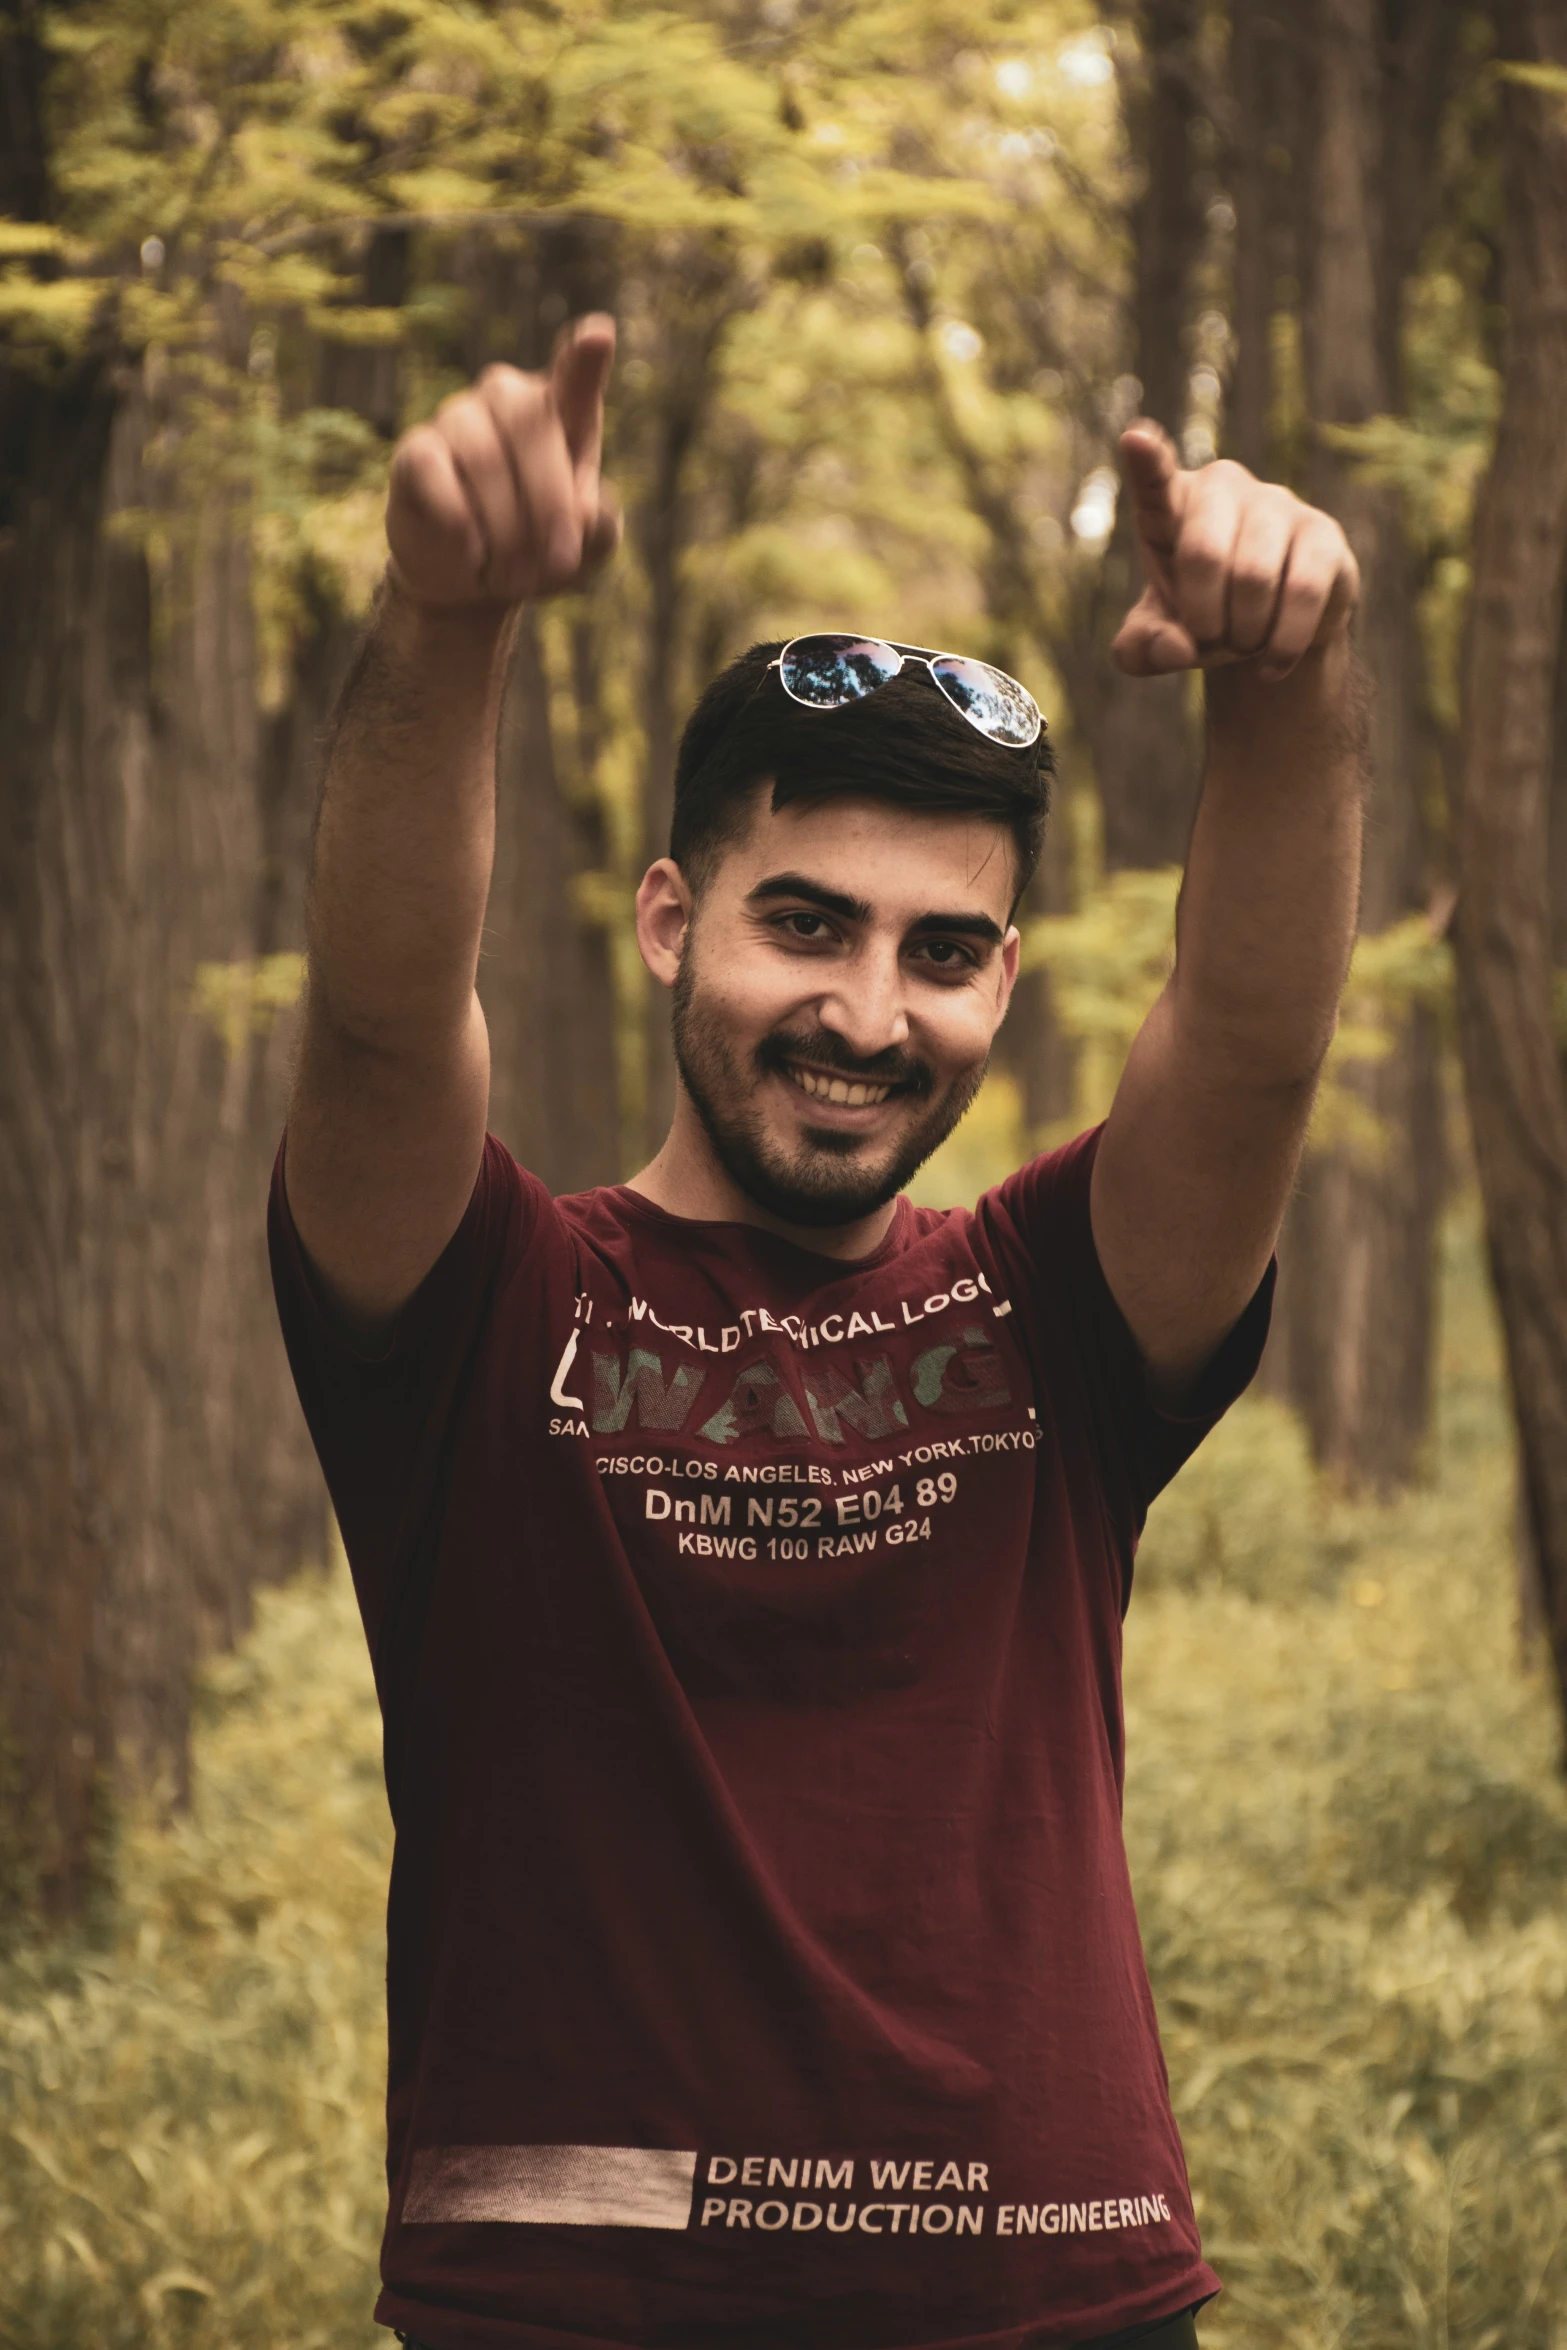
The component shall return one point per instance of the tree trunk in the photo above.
(153, 1460)
(1260, 144)
(1357, 1263)
(144, 1364)
(1502, 932)
(545, 975)
(1557, 832)
(695, 300)
(1144, 738)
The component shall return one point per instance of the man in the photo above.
(742, 1551)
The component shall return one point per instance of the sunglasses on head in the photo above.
(830, 672)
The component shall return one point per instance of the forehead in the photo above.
(900, 861)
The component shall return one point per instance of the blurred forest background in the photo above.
(890, 278)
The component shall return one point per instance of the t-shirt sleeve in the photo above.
(380, 1423)
(1041, 1228)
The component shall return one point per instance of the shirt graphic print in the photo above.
(762, 1962)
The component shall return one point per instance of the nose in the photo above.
(865, 1003)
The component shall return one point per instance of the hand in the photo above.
(499, 497)
(1237, 569)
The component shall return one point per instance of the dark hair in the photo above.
(904, 743)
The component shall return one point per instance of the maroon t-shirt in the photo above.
(762, 1963)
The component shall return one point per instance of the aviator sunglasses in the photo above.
(829, 672)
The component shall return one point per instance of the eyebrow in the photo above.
(834, 901)
(815, 893)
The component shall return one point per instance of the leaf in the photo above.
(172, 2280)
(1550, 78)
(242, 999)
(76, 2242)
(29, 236)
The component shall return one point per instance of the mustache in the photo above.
(826, 1051)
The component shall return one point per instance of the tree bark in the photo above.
(1260, 143)
(153, 1462)
(697, 295)
(1502, 931)
(1142, 731)
(1357, 1262)
(545, 974)
(145, 1367)
(1557, 822)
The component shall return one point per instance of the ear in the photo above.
(663, 918)
(1011, 957)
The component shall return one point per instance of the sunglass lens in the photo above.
(830, 671)
(989, 699)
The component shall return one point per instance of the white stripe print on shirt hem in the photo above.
(554, 2186)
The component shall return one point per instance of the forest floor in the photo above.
(1350, 1843)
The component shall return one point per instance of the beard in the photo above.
(830, 1177)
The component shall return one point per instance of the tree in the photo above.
(239, 244)
(143, 1401)
(1262, 112)
(1354, 1331)
(692, 295)
(1144, 740)
(1513, 1072)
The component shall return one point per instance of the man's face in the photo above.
(841, 980)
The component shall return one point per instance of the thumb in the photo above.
(1151, 642)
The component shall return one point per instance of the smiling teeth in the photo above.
(839, 1089)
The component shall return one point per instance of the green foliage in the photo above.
(243, 999)
(1391, 973)
(1348, 1837)
(1107, 964)
(1550, 78)
(989, 1143)
(1109, 961)
(846, 250)
(190, 2128)
(1436, 455)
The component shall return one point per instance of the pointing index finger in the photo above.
(1157, 483)
(579, 374)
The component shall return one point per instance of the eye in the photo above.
(948, 957)
(803, 925)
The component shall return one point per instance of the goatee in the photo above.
(814, 1186)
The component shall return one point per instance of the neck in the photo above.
(688, 1179)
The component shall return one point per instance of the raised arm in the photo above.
(1257, 590)
(497, 500)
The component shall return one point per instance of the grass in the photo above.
(1350, 1842)
(1349, 1834)
(190, 2127)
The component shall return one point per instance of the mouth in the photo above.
(838, 1091)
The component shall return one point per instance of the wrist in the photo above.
(1326, 673)
(470, 635)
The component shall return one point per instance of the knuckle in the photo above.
(1199, 557)
(415, 452)
(460, 413)
(1324, 537)
(508, 393)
